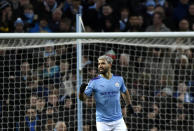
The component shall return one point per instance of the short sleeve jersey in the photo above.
(107, 96)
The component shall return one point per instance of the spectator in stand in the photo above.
(71, 7)
(66, 88)
(152, 117)
(41, 26)
(27, 76)
(33, 100)
(68, 113)
(136, 23)
(89, 115)
(192, 28)
(53, 100)
(145, 86)
(141, 23)
(91, 10)
(61, 51)
(91, 72)
(60, 126)
(65, 25)
(25, 73)
(19, 26)
(124, 19)
(20, 10)
(54, 24)
(49, 50)
(32, 122)
(108, 19)
(182, 121)
(180, 11)
(51, 71)
(29, 17)
(50, 125)
(139, 61)
(11, 104)
(134, 121)
(183, 93)
(6, 17)
(166, 81)
(66, 8)
(158, 25)
(167, 108)
(50, 85)
(148, 14)
(51, 113)
(76, 7)
(189, 53)
(190, 16)
(183, 25)
(32, 83)
(157, 64)
(43, 87)
(47, 7)
(15, 4)
(88, 29)
(182, 70)
(125, 69)
(41, 108)
(167, 16)
(108, 26)
(14, 101)
(85, 61)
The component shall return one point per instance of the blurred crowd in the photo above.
(38, 85)
(98, 15)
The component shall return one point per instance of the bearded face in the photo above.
(103, 66)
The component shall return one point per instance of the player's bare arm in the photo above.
(82, 95)
(126, 97)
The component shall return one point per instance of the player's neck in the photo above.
(108, 75)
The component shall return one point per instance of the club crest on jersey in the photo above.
(117, 84)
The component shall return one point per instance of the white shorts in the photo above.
(118, 125)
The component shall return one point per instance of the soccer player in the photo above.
(107, 89)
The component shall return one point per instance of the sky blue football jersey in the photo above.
(107, 95)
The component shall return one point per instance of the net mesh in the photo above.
(38, 82)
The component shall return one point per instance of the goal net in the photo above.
(38, 82)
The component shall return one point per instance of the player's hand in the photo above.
(83, 87)
(130, 109)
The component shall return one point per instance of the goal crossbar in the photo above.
(98, 35)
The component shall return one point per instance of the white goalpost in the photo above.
(41, 74)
